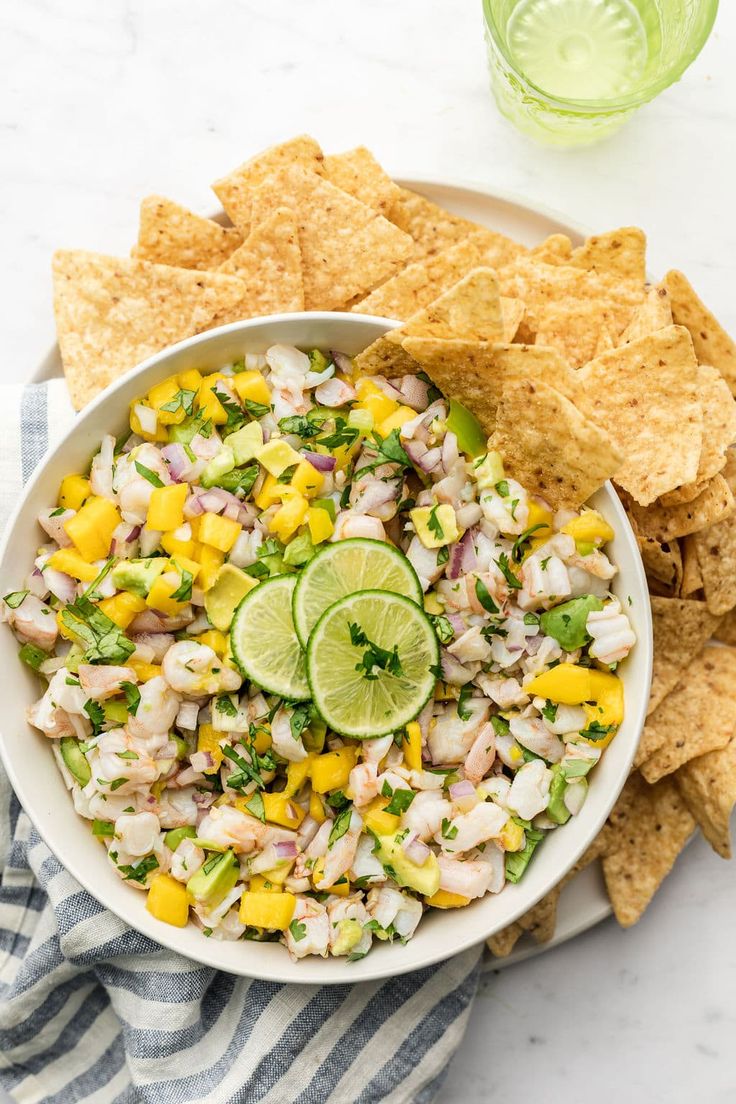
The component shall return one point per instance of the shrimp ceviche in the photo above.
(314, 662)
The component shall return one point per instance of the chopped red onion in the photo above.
(200, 760)
(320, 462)
(452, 670)
(457, 623)
(462, 789)
(232, 511)
(342, 362)
(415, 850)
(147, 418)
(186, 719)
(462, 556)
(285, 849)
(133, 442)
(133, 535)
(425, 459)
(414, 392)
(388, 388)
(204, 800)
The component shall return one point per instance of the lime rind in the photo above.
(264, 643)
(345, 567)
(350, 704)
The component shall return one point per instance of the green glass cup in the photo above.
(568, 72)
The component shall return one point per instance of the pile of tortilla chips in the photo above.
(577, 369)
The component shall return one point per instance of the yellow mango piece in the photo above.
(331, 770)
(161, 434)
(213, 639)
(277, 455)
(296, 775)
(71, 563)
(183, 563)
(433, 605)
(372, 398)
(160, 595)
(259, 883)
(251, 386)
(281, 810)
(316, 808)
(277, 875)
(209, 404)
(413, 746)
(340, 889)
(123, 607)
(539, 515)
(219, 532)
(144, 671)
(210, 562)
(262, 740)
(589, 526)
(321, 525)
(273, 911)
(191, 380)
(270, 492)
(163, 393)
(208, 739)
(167, 900)
(443, 899)
(166, 507)
(567, 683)
(289, 517)
(74, 490)
(307, 480)
(608, 702)
(511, 836)
(63, 630)
(436, 526)
(395, 420)
(92, 527)
(176, 547)
(379, 821)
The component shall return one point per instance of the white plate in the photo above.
(584, 902)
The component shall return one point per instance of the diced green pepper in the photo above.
(466, 427)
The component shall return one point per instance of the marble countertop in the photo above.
(103, 103)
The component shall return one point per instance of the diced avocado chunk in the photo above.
(103, 828)
(327, 504)
(556, 809)
(181, 746)
(349, 935)
(313, 736)
(74, 657)
(116, 712)
(424, 879)
(246, 442)
(218, 466)
(489, 471)
(299, 550)
(317, 360)
(138, 576)
(518, 861)
(75, 760)
(173, 838)
(225, 595)
(466, 427)
(185, 431)
(566, 623)
(214, 879)
(33, 656)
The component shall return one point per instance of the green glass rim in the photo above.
(623, 103)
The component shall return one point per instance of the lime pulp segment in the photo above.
(344, 568)
(264, 643)
(371, 663)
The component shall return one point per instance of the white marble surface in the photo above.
(104, 102)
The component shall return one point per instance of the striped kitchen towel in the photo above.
(92, 1011)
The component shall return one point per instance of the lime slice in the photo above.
(370, 663)
(263, 640)
(344, 568)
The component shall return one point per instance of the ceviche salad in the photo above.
(315, 661)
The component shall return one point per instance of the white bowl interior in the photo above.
(41, 789)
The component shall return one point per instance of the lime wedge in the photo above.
(344, 568)
(263, 640)
(370, 663)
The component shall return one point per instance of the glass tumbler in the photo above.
(568, 72)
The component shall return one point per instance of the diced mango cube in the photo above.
(316, 808)
(191, 380)
(443, 899)
(177, 547)
(270, 492)
(208, 739)
(219, 532)
(307, 480)
(210, 562)
(589, 526)
(539, 515)
(331, 770)
(213, 639)
(273, 911)
(92, 527)
(511, 836)
(162, 394)
(71, 563)
(123, 607)
(289, 517)
(413, 746)
(436, 526)
(372, 398)
(296, 776)
(279, 809)
(377, 820)
(259, 883)
(167, 900)
(252, 387)
(144, 671)
(433, 605)
(277, 455)
(160, 596)
(161, 433)
(321, 526)
(73, 491)
(166, 507)
(395, 420)
(209, 404)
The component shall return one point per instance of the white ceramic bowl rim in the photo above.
(39, 784)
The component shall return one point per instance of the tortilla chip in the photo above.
(622, 252)
(385, 358)
(422, 282)
(270, 265)
(549, 446)
(347, 248)
(432, 228)
(644, 394)
(655, 313)
(682, 495)
(726, 631)
(652, 825)
(708, 787)
(712, 344)
(556, 249)
(719, 432)
(698, 716)
(512, 313)
(681, 629)
(539, 922)
(664, 523)
(112, 313)
(715, 548)
(692, 579)
(581, 331)
(235, 191)
(503, 942)
(474, 372)
(170, 234)
(358, 173)
(539, 284)
(661, 561)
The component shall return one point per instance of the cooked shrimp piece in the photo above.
(34, 622)
(186, 860)
(426, 813)
(52, 523)
(481, 823)
(533, 734)
(156, 710)
(363, 783)
(100, 682)
(389, 905)
(529, 793)
(450, 738)
(348, 524)
(121, 763)
(340, 854)
(177, 808)
(334, 392)
(284, 743)
(468, 877)
(313, 929)
(365, 864)
(482, 754)
(613, 637)
(138, 832)
(228, 827)
(196, 671)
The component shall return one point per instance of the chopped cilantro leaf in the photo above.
(151, 476)
(484, 597)
(505, 568)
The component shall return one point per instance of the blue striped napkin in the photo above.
(91, 1011)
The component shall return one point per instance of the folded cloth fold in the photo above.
(92, 1011)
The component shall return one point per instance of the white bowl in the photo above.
(41, 790)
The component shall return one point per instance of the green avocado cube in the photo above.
(566, 623)
(214, 879)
